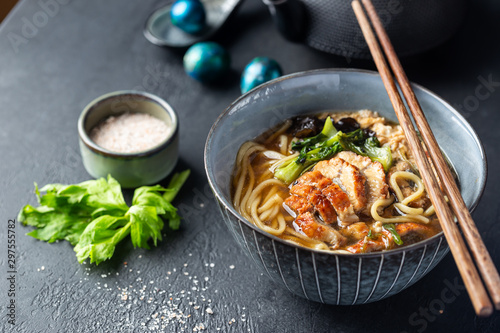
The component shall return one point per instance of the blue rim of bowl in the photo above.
(150, 36)
(157, 40)
(132, 94)
(414, 246)
(191, 39)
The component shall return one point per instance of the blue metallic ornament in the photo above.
(258, 71)
(188, 15)
(206, 61)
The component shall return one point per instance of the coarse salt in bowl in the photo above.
(130, 132)
(131, 135)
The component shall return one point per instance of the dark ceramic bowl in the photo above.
(331, 26)
(321, 276)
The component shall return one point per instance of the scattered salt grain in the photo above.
(172, 310)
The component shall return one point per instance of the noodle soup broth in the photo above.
(360, 194)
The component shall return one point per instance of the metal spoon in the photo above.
(159, 29)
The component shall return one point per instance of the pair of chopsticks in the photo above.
(466, 267)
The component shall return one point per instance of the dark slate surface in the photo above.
(88, 48)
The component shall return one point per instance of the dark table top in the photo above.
(88, 48)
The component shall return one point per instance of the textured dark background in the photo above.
(89, 48)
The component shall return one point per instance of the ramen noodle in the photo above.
(341, 196)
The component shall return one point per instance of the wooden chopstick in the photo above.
(481, 255)
(470, 276)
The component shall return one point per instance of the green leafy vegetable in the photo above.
(312, 150)
(371, 235)
(100, 237)
(288, 172)
(94, 217)
(395, 236)
(328, 132)
(328, 143)
(175, 184)
(371, 148)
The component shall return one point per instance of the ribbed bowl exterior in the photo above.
(327, 277)
(330, 278)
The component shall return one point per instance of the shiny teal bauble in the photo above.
(188, 15)
(258, 71)
(206, 61)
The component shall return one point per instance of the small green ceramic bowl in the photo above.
(130, 169)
